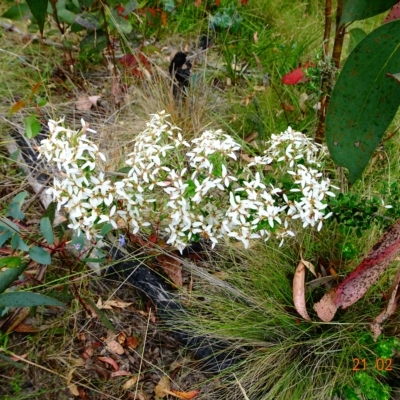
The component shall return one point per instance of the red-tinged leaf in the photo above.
(287, 107)
(186, 395)
(394, 13)
(110, 361)
(244, 2)
(296, 76)
(217, 3)
(197, 3)
(128, 60)
(17, 106)
(172, 267)
(299, 298)
(366, 274)
(35, 88)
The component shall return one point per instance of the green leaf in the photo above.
(27, 299)
(14, 208)
(10, 262)
(47, 230)
(50, 212)
(10, 226)
(17, 11)
(4, 236)
(364, 100)
(32, 126)
(41, 101)
(12, 362)
(18, 243)
(356, 35)
(105, 229)
(354, 10)
(38, 9)
(89, 21)
(66, 16)
(10, 275)
(39, 255)
(119, 23)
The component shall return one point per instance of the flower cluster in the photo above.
(188, 188)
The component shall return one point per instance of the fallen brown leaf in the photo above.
(110, 361)
(299, 298)
(115, 347)
(172, 267)
(132, 342)
(120, 373)
(390, 307)
(130, 382)
(163, 387)
(185, 395)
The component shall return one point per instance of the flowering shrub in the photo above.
(188, 188)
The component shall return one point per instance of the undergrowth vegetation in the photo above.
(253, 72)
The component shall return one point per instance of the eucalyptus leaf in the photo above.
(9, 225)
(354, 10)
(47, 230)
(10, 262)
(14, 208)
(10, 275)
(38, 9)
(39, 255)
(365, 99)
(4, 236)
(27, 299)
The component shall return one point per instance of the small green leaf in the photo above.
(17, 11)
(105, 229)
(14, 208)
(354, 10)
(38, 9)
(4, 236)
(50, 212)
(18, 243)
(32, 126)
(364, 100)
(10, 275)
(47, 230)
(10, 262)
(41, 101)
(27, 299)
(356, 35)
(39, 255)
(66, 16)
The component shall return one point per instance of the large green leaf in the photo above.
(10, 275)
(364, 100)
(38, 9)
(27, 299)
(354, 10)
